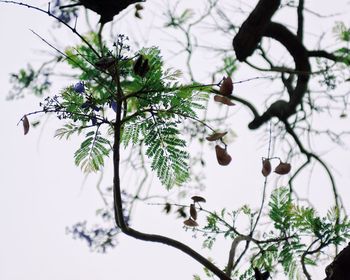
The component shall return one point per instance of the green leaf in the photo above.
(90, 156)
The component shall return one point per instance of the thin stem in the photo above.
(55, 17)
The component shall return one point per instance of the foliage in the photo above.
(130, 98)
(154, 106)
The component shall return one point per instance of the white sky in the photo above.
(41, 190)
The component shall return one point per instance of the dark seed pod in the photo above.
(266, 167)
(144, 68)
(222, 156)
(226, 87)
(138, 7)
(138, 64)
(26, 124)
(283, 168)
(193, 212)
(198, 199)
(216, 136)
(190, 223)
(141, 66)
(223, 100)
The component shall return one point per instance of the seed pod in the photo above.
(190, 223)
(193, 212)
(141, 66)
(283, 168)
(137, 14)
(223, 100)
(216, 136)
(226, 87)
(138, 7)
(198, 199)
(26, 124)
(138, 64)
(222, 156)
(144, 68)
(266, 167)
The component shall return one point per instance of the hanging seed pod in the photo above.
(216, 136)
(266, 167)
(226, 87)
(137, 14)
(223, 100)
(144, 68)
(283, 168)
(138, 8)
(138, 64)
(198, 199)
(222, 156)
(190, 223)
(193, 212)
(141, 66)
(26, 124)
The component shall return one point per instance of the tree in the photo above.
(150, 104)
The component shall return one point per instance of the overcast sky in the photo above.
(42, 192)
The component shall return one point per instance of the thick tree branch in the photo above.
(251, 31)
(339, 268)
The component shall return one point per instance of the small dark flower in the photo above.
(79, 87)
(94, 120)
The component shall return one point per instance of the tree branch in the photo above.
(118, 205)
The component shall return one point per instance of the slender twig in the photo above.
(55, 17)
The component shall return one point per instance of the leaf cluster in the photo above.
(154, 106)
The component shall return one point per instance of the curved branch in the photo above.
(309, 155)
(251, 31)
(118, 204)
(282, 109)
(259, 25)
(234, 245)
